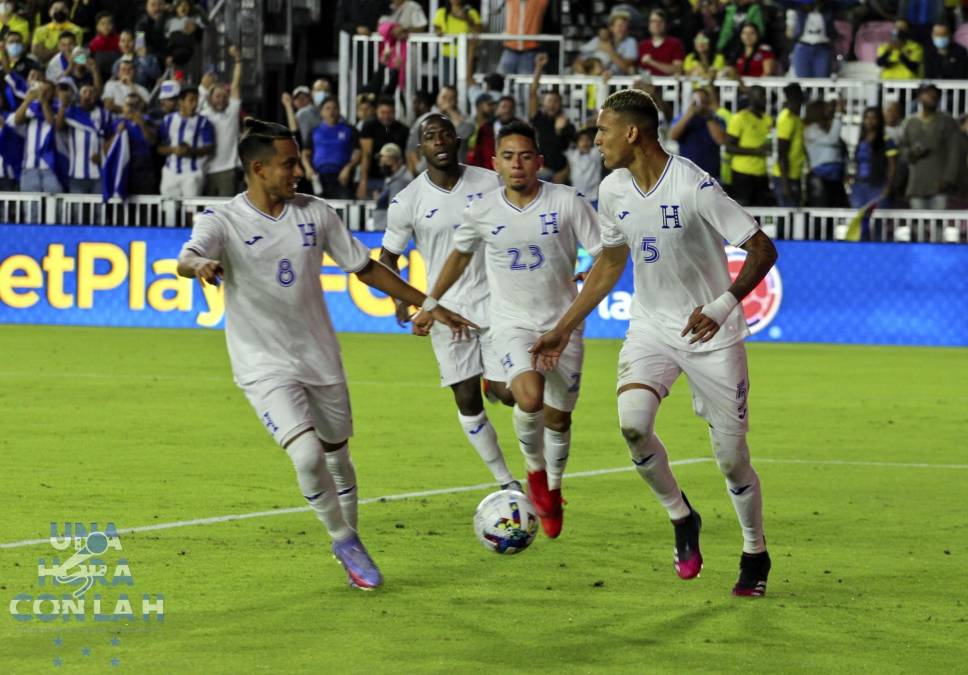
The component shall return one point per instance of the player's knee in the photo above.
(557, 420)
(731, 453)
(467, 396)
(304, 451)
(636, 415)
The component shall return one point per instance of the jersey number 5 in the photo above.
(517, 264)
(651, 252)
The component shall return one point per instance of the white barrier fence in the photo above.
(889, 225)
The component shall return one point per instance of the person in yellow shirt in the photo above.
(790, 155)
(748, 141)
(47, 36)
(703, 62)
(455, 18)
(902, 58)
(12, 22)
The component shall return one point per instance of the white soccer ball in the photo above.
(506, 521)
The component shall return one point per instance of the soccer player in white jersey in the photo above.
(530, 231)
(428, 211)
(685, 317)
(266, 245)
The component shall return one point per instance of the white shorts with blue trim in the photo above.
(563, 384)
(287, 408)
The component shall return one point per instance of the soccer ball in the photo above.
(506, 521)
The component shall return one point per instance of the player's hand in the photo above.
(548, 349)
(540, 61)
(402, 312)
(209, 271)
(701, 326)
(422, 323)
(459, 326)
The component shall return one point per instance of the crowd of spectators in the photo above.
(80, 74)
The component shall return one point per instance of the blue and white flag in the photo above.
(114, 172)
(11, 149)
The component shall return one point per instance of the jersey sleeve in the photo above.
(467, 237)
(611, 235)
(207, 134)
(350, 253)
(208, 237)
(785, 127)
(399, 230)
(723, 214)
(586, 225)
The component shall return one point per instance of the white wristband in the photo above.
(429, 304)
(720, 308)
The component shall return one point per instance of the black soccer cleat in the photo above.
(754, 568)
(688, 558)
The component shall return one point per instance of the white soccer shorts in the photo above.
(719, 379)
(563, 384)
(185, 184)
(461, 360)
(287, 408)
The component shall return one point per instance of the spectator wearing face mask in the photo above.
(395, 178)
(47, 36)
(945, 60)
(308, 118)
(11, 22)
(15, 57)
(902, 58)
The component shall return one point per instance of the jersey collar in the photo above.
(534, 201)
(434, 185)
(285, 209)
(657, 183)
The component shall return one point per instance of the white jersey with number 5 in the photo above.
(676, 233)
(276, 321)
(430, 215)
(530, 253)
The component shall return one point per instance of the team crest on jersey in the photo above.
(670, 217)
(549, 223)
(760, 306)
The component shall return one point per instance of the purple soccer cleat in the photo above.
(362, 571)
(688, 558)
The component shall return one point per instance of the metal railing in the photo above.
(888, 225)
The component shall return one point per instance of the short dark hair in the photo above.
(185, 91)
(104, 15)
(435, 117)
(494, 81)
(508, 98)
(424, 97)
(387, 100)
(66, 34)
(518, 128)
(637, 106)
(258, 140)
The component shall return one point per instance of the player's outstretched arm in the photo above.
(602, 278)
(452, 270)
(194, 266)
(382, 278)
(705, 320)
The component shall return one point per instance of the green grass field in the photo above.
(860, 451)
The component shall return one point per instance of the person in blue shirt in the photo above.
(700, 133)
(332, 153)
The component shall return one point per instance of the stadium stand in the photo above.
(383, 49)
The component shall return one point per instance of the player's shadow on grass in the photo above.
(671, 631)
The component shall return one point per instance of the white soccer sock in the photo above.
(557, 445)
(529, 428)
(316, 483)
(637, 409)
(340, 466)
(480, 434)
(733, 456)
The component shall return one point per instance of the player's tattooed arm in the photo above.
(705, 320)
(601, 279)
(194, 266)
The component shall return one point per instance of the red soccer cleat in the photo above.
(552, 523)
(538, 491)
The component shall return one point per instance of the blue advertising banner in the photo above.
(904, 294)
